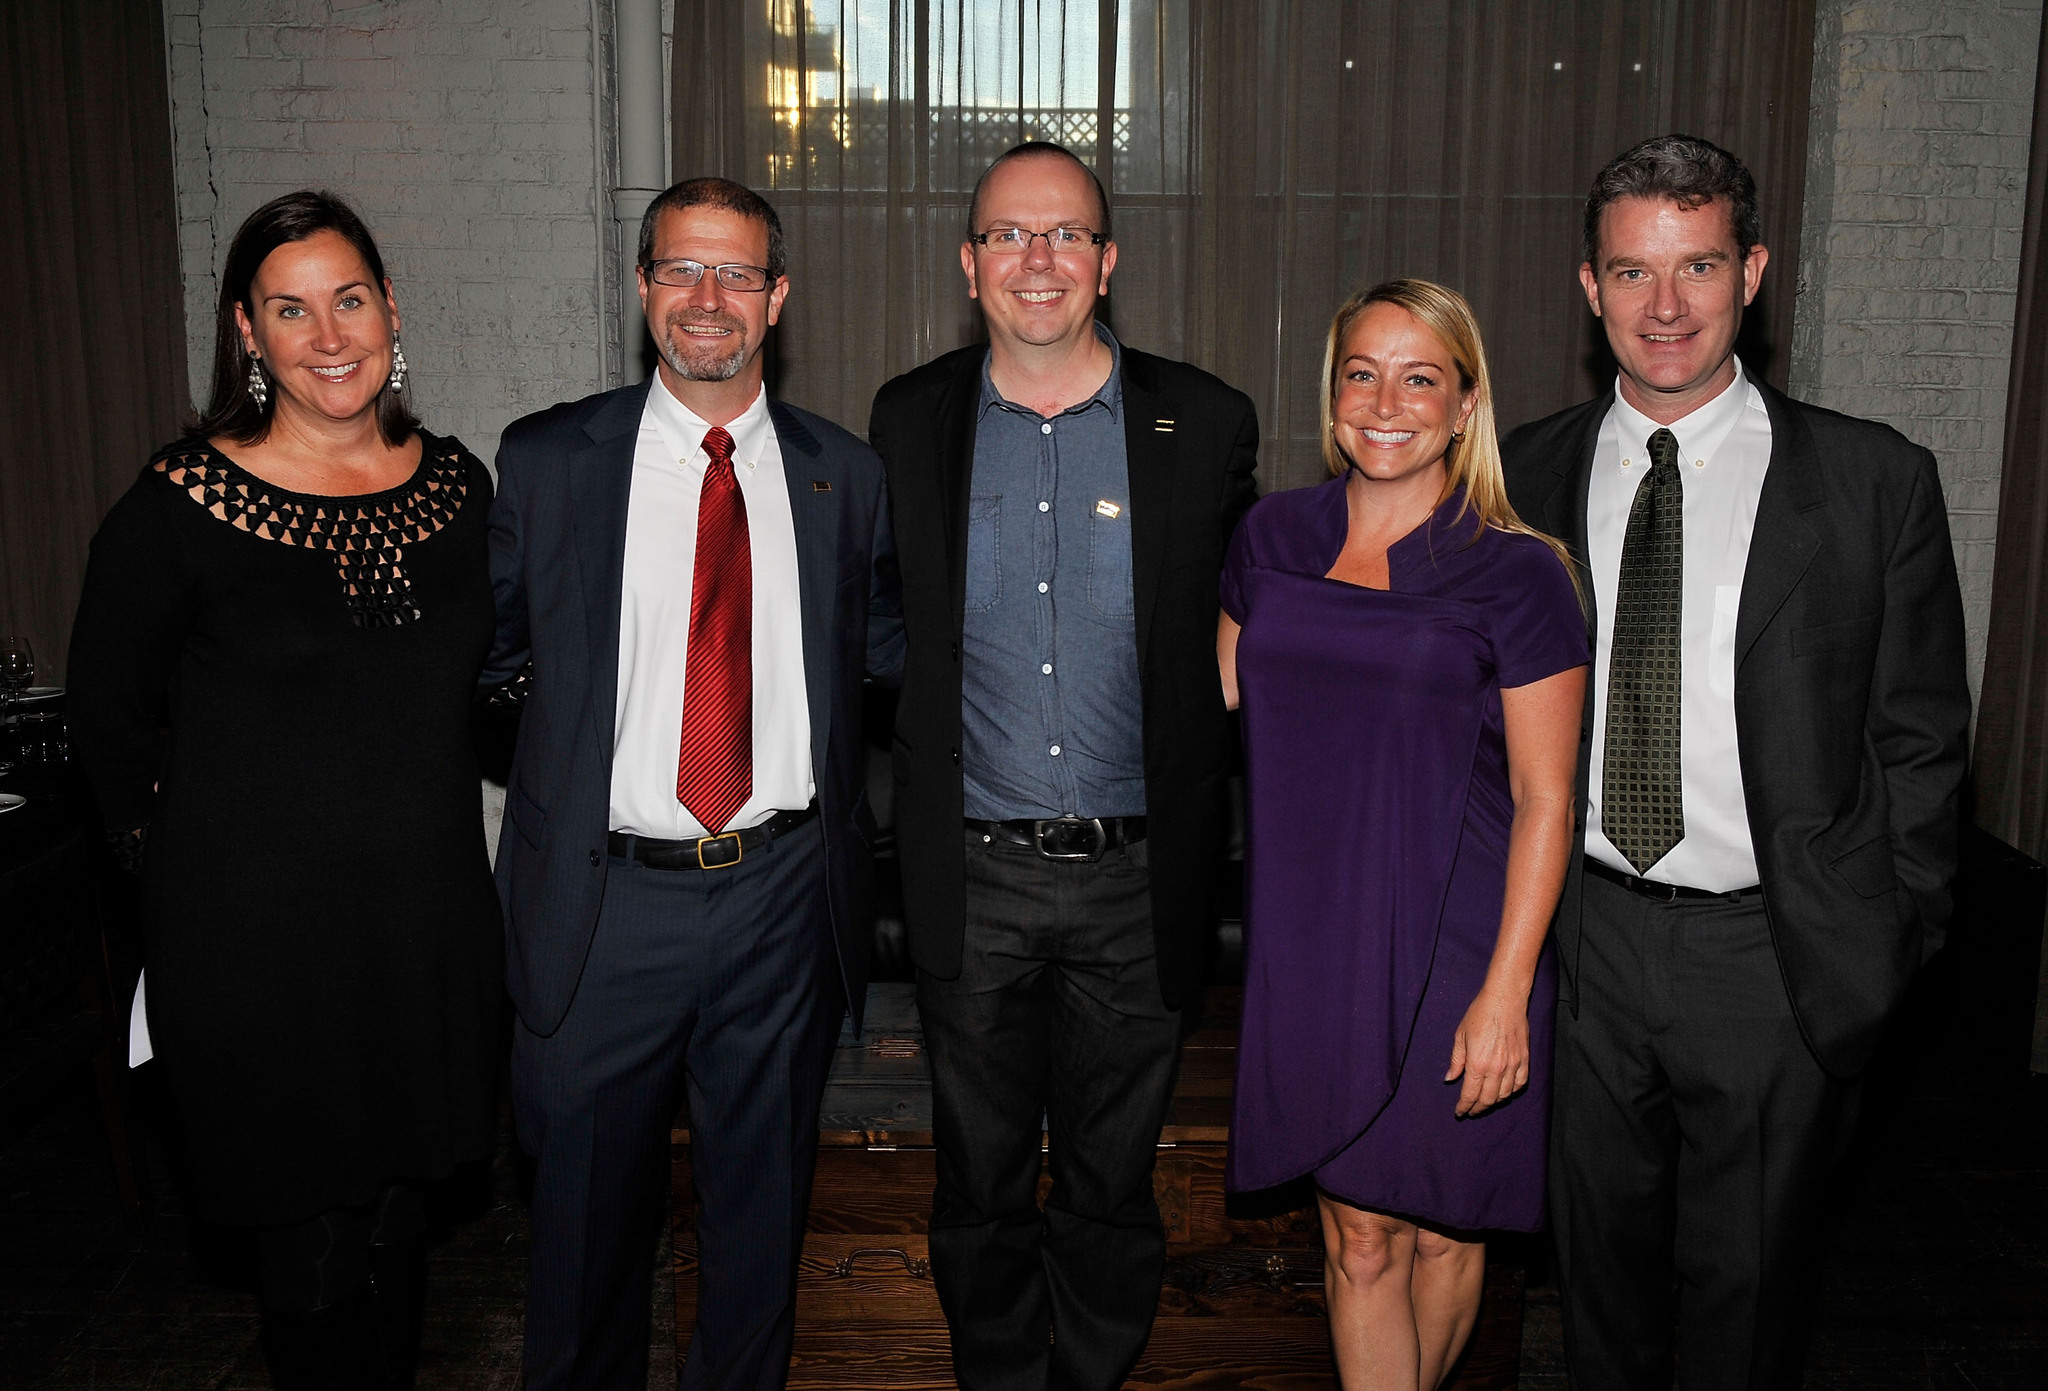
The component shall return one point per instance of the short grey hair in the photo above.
(1028, 150)
(1684, 168)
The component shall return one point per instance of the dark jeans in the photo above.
(725, 982)
(1055, 1017)
(1692, 1137)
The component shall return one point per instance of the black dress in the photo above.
(293, 676)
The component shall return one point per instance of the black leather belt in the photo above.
(706, 852)
(1666, 893)
(1065, 837)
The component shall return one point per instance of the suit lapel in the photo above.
(1149, 428)
(815, 516)
(600, 486)
(953, 462)
(1784, 541)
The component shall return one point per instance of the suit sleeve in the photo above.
(1240, 485)
(511, 646)
(885, 601)
(1920, 702)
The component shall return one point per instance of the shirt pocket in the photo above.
(1721, 641)
(1109, 559)
(984, 553)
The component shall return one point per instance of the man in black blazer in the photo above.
(699, 576)
(1769, 780)
(1063, 503)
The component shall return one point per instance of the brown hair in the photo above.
(1691, 172)
(726, 196)
(233, 412)
(1471, 462)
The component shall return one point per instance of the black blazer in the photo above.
(558, 538)
(1192, 442)
(1850, 702)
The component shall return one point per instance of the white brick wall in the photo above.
(463, 131)
(1922, 113)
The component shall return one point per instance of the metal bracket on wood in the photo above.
(916, 1267)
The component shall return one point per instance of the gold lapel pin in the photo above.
(1106, 508)
(1164, 427)
(819, 485)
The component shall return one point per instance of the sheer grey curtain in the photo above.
(1264, 158)
(94, 355)
(2010, 767)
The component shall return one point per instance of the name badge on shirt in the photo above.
(1106, 508)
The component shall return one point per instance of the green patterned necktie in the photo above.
(1641, 811)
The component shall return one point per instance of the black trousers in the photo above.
(725, 982)
(1055, 1018)
(1692, 1137)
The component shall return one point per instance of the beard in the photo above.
(696, 361)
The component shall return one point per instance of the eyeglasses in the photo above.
(687, 275)
(1015, 241)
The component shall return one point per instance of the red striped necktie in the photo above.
(715, 771)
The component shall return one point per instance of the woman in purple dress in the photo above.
(1411, 664)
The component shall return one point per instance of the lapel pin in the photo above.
(819, 485)
(1164, 427)
(1106, 508)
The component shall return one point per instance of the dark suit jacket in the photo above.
(1192, 442)
(558, 536)
(1850, 702)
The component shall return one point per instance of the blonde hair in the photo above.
(1471, 461)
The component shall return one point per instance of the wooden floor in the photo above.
(1939, 1279)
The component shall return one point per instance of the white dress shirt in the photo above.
(654, 621)
(1724, 450)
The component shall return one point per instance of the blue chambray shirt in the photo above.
(1050, 704)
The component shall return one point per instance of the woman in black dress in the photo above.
(270, 681)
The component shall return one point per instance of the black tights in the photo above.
(318, 1263)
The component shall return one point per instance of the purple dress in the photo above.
(1377, 855)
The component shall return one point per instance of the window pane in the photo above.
(969, 79)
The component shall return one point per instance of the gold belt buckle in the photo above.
(738, 851)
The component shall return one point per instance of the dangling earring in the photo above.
(397, 364)
(258, 388)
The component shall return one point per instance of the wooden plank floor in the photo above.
(1938, 1282)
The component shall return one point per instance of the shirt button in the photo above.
(1046, 669)
(1045, 507)
(595, 859)
(1046, 428)
(1055, 750)
(1043, 586)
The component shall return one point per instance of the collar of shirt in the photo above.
(1110, 395)
(1699, 434)
(683, 430)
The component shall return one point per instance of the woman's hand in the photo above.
(1227, 630)
(1491, 1049)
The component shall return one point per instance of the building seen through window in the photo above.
(849, 99)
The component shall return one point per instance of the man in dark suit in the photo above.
(1772, 756)
(1061, 746)
(699, 576)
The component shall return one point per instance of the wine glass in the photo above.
(17, 666)
(17, 669)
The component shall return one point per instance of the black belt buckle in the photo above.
(720, 861)
(1053, 827)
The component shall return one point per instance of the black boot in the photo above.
(330, 1349)
(398, 1278)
